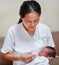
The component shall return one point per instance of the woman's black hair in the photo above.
(27, 7)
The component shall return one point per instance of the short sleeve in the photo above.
(50, 40)
(8, 42)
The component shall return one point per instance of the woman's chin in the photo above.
(32, 30)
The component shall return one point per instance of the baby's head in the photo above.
(48, 52)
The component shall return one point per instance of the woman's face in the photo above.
(30, 21)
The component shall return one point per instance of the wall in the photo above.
(9, 10)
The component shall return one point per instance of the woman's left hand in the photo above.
(50, 59)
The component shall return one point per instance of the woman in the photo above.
(29, 35)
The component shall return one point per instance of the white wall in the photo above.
(50, 13)
(9, 10)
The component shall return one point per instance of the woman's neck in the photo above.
(31, 32)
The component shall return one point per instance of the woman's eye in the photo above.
(35, 21)
(28, 21)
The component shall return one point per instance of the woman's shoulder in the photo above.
(43, 26)
(14, 27)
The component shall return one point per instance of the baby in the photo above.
(43, 56)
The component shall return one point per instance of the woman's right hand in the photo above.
(27, 57)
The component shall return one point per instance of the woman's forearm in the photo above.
(10, 57)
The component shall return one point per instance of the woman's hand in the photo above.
(50, 59)
(57, 57)
(27, 57)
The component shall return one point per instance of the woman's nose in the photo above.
(32, 24)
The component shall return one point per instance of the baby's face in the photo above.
(43, 52)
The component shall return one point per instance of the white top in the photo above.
(39, 60)
(19, 41)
